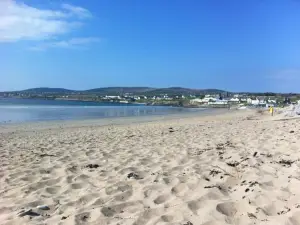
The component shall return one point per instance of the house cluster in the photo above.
(261, 102)
(235, 99)
(220, 99)
(13, 94)
(162, 97)
(129, 97)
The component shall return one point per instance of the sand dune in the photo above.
(239, 168)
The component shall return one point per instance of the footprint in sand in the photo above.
(117, 188)
(77, 185)
(82, 218)
(124, 196)
(228, 208)
(162, 199)
(110, 211)
(197, 204)
(52, 190)
(180, 189)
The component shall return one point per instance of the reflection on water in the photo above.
(20, 110)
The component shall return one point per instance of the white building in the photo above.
(196, 100)
(218, 102)
(235, 100)
(253, 102)
(205, 100)
(112, 97)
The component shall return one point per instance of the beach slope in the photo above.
(238, 168)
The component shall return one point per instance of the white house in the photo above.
(209, 99)
(272, 101)
(196, 100)
(112, 97)
(253, 102)
(218, 102)
(236, 100)
(262, 102)
(204, 100)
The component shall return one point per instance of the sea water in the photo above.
(30, 110)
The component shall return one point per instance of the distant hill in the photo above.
(183, 91)
(119, 90)
(45, 90)
(123, 90)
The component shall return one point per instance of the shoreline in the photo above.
(55, 124)
(128, 103)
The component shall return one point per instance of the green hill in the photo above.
(119, 90)
(45, 90)
(124, 90)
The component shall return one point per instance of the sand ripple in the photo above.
(223, 170)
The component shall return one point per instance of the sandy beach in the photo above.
(238, 168)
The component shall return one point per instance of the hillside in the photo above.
(119, 90)
(123, 90)
(45, 90)
(182, 91)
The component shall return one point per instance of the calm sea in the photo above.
(27, 110)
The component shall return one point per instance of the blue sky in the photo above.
(249, 45)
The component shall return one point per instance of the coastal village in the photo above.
(223, 99)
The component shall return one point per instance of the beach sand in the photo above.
(238, 168)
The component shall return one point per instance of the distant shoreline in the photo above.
(116, 121)
(127, 103)
(24, 110)
(74, 100)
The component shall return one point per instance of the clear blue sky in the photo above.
(249, 45)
